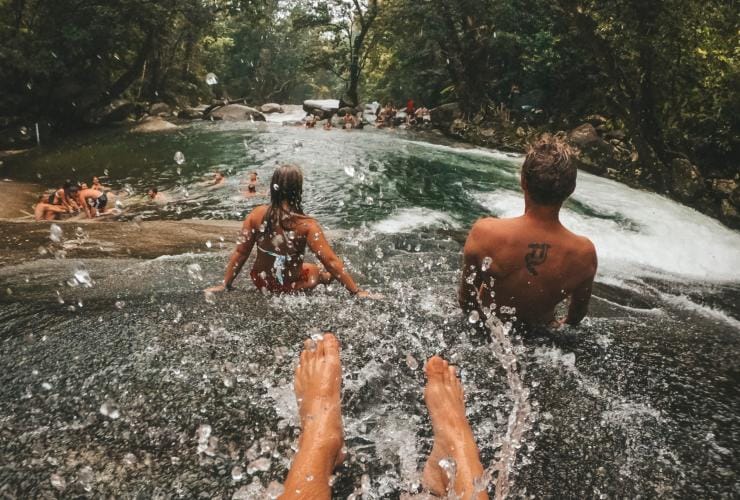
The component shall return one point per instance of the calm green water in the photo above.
(641, 400)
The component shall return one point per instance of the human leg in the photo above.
(317, 386)
(453, 437)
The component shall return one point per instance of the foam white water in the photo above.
(640, 232)
(488, 153)
(410, 219)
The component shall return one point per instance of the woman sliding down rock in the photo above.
(281, 232)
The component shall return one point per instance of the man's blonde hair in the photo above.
(548, 173)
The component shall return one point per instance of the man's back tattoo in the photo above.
(536, 256)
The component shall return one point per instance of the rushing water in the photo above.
(121, 378)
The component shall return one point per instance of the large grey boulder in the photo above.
(236, 112)
(322, 108)
(271, 107)
(153, 124)
(160, 108)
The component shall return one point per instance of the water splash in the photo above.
(521, 417)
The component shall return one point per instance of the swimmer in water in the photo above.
(317, 386)
(281, 232)
(45, 211)
(327, 124)
(531, 263)
(252, 185)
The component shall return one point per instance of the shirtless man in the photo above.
(46, 211)
(531, 263)
(318, 380)
(93, 202)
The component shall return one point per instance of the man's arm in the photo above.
(581, 296)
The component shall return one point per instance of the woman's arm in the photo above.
(320, 246)
(238, 257)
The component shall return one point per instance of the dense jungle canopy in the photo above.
(666, 71)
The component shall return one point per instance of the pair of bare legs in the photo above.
(318, 382)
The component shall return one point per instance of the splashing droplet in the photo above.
(349, 170)
(474, 317)
(179, 158)
(55, 233)
(486, 264)
(211, 79)
(110, 409)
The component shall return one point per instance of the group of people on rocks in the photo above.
(388, 115)
(348, 121)
(516, 269)
(73, 198)
(95, 199)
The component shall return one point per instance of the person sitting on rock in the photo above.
(281, 232)
(46, 211)
(349, 121)
(453, 469)
(327, 124)
(65, 197)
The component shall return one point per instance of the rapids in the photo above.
(122, 378)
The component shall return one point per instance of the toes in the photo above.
(435, 367)
(451, 374)
(331, 345)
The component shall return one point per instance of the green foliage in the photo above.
(667, 71)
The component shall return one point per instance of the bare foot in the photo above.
(453, 437)
(318, 380)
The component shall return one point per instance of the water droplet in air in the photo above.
(210, 297)
(275, 187)
(194, 270)
(179, 158)
(211, 79)
(46, 386)
(209, 244)
(261, 464)
(29, 86)
(486, 264)
(83, 278)
(120, 304)
(105, 172)
(417, 248)
(474, 317)
(411, 362)
(55, 233)
(349, 170)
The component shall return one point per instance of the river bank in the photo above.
(607, 150)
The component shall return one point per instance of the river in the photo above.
(120, 377)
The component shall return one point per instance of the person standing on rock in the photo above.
(525, 266)
(281, 232)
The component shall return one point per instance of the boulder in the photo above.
(236, 112)
(724, 186)
(271, 107)
(346, 109)
(153, 124)
(584, 136)
(115, 111)
(687, 180)
(160, 109)
(322, 108)
(596, 120)
(443, 116)
(190, 114)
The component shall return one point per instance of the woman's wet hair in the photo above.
(286, 186)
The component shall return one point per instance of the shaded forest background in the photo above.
(658, 81)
